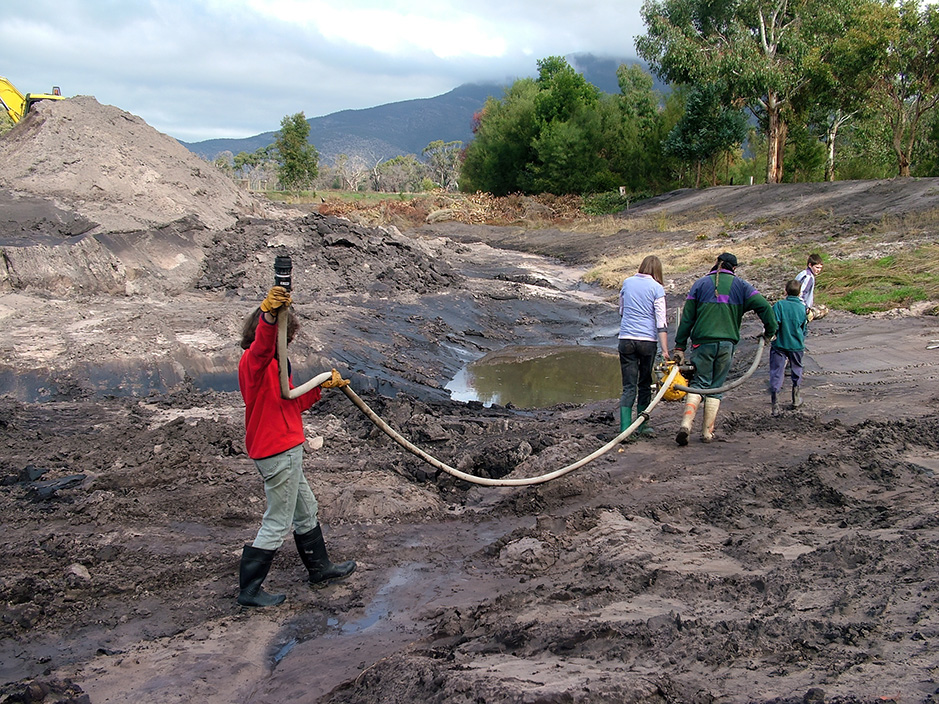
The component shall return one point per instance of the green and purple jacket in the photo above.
(715, 306)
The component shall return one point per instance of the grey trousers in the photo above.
(290, 500)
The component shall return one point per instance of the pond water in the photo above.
(526, 377)
(538, 377)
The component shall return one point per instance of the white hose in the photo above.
(287, 393)
(285, 390)
(406, 444)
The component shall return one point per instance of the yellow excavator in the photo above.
(17, 105)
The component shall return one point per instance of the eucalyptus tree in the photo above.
(757, 49)
(909, 88)
(298, 161)
(844, 69)
(443, 162)
(402, 173)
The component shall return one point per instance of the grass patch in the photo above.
(871, 285)
(611, 202)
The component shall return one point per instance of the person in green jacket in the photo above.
(711, 318)
(789, 345)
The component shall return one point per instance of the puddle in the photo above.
(538, 377)
(526, 377)
(380, 607)
(283, 651)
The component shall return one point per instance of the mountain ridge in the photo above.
(406, 127)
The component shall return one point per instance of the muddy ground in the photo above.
(793, 560)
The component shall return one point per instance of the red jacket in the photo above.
(272, 424)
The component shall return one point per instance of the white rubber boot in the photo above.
(692, 401)
(711, 405)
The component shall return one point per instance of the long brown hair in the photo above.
(250, 326)
(652, 266)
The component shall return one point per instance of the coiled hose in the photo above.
(732, 385)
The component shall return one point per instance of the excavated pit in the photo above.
(792, 560)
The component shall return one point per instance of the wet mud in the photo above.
(791, 560)
(794, 557)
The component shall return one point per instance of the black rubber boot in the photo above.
(312, 551)
(255, 564)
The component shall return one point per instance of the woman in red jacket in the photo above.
(274, 439)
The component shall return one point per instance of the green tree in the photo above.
(928, 151)
(909, 88)
(299, 160)
(400, 174)
(757, 47)
(805, 155)
(498, 158)
(568, 147)
(635, 127)
(707, 131)
(864, 150)
(223, 162)
(560, 134)
(244, 162)
(569, 158)
(562, 92)
(843, 70)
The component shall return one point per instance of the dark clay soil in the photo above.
(792, 560)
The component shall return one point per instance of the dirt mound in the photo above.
(330, 256)
(115, 170)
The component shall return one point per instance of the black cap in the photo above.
(728, 258)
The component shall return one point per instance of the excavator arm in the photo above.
(16, 104)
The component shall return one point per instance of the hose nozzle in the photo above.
(283, 268)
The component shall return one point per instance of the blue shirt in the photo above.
(642, 308)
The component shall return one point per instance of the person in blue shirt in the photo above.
(642, 327)
(789, 344)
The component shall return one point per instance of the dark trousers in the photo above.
(777, 367)
(712, 362)
(636, 358)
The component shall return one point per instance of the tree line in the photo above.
(807, 89)
(760, 91)
(804, 68)
(292, 164)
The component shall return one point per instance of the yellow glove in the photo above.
(337, 382)
(276, 297)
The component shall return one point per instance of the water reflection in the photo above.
(538, 377)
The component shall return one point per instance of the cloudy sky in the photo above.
(202, 69)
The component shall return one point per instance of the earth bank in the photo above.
(793, 560)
